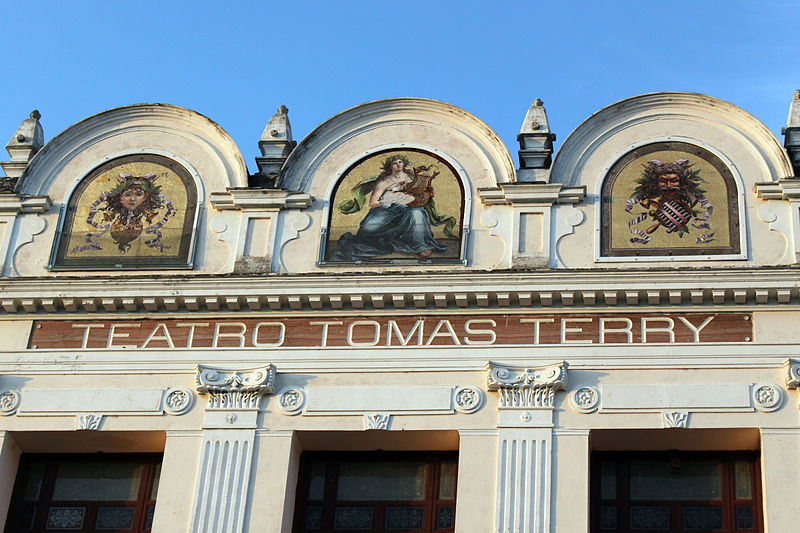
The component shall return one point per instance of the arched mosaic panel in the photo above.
(133, 211)
(396, 206)
(669, 199)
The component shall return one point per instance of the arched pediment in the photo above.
(165, 129)
(713, 151)
(668, 116)
(319, 159)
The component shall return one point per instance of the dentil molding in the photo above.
(102, 295)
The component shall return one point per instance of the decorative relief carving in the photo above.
(467, 399)
(9, 401)
(567, 218)
(234, 389)
(527, 387)
(291, 401)
(767, 397)
(88, 422)
(377, 420)
(294, 224)
(674, 419)
(585, 399)
(792, 373)
(178, 400)
(29, 226)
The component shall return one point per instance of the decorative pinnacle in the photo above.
(283, 110)
(35, 115)
(537, 102)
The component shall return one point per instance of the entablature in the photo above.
(545, 290)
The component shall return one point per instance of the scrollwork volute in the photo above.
(792, 373)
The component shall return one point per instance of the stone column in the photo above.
(9, 462)
(226, 453)
(524, 448)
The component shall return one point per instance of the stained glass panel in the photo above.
(743, 481)
(405, 518)
(69, 518)
(97, 481)
(447, 481)
(665, 479)
(381, 481)
(356, 518)
(650, 518)
(444, 517)
(114, 518)
(744, 517)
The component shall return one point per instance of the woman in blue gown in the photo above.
(394, 222)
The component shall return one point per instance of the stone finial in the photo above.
(792, 133)
(24, 144)
(794, 111)
(536, 144)
(276, 144)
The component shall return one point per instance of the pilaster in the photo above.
(274, 482)
(226, 454)
(780, 470)
(9, 462)
(524, 447)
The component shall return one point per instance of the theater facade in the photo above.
(397, 326)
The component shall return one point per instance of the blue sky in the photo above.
(236, 63)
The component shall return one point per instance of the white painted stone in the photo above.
(395, 400)
(657, 396)
(43, 402)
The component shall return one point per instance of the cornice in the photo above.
(248, 198)
(12, 204)
(532, 193)
(562, 289)
(784, 189)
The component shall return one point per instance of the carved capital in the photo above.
(526, 387)
(235, 389)
(792, 368)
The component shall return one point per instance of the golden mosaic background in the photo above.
(173, 189)
(716, 193)
(446, 190)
